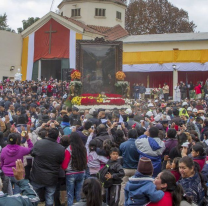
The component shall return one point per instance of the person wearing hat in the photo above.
(140, 188)
(74, 118)
(189, 110)
(183, 110)
(60, 118)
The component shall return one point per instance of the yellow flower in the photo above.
(120, 75)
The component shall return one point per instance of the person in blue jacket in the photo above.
(28, 198)
(140, 188)
(151, 146)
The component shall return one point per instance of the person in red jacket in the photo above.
(49, 90)
(198, 91)
(174, 194)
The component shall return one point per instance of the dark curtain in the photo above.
(194, 76)
(155, 78)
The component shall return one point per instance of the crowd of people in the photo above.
(154, 153)
(182, 91)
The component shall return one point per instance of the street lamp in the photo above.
(174, 67)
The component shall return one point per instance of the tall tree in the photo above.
(156, 17)
(3, 23)
(27, 23)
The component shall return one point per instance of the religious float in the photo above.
(98, 80)
(99, 100)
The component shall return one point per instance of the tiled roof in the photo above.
(101, 29)
(110, 33)
(82, 25)
(116, 32)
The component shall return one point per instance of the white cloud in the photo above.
(18, 10)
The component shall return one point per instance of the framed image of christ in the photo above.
(98, 61)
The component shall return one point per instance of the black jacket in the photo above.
(74, 120)
(101, 138)
(116, 171)
(48, 156)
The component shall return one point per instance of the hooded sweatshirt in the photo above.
(140, 190)
(11, 153)
(153, 149)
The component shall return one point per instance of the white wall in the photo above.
(10, 53)
(165, 46)
(88, 12)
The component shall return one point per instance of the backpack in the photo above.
(101, 176)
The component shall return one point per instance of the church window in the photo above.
(75, 12)
(118, 15)
(99, 12)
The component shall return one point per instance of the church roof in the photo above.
(116, 32)
(173, 37)
(82, 25)
(121, 2)
(110, 33)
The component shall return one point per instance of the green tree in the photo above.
(3, 23)
(156, 17)
(27, 23)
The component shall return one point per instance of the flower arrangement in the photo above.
(76, 74)
(120, 75)
(76, 100)
(98, 100)
(155, 91)
(102, 95)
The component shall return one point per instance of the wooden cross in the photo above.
(50, 35)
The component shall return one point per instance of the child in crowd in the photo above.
(116, 173)
(94, 159)
(174, 167)
(140, 188)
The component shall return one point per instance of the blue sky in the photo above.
(17, 10)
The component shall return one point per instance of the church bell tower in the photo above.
(106, 13)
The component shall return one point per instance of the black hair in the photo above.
(92, 191)
(12, 138)
(153, 131)
(132, 133)
(198, 148)
(92, 145)
(188, 161)
(140, 131)
(182, 138)
(87, 125)
(125, 117)
(175, 112)
(107, 145)
(79, 154)
(171, 133)
(114, 149)
(170, 112)
(176, 161)
(131, 115)
(21, 119)
(64, 141)
(53, 133)
(65, 118)
(119, 137)
(95, 114)
(42, 133)
(176, 190)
